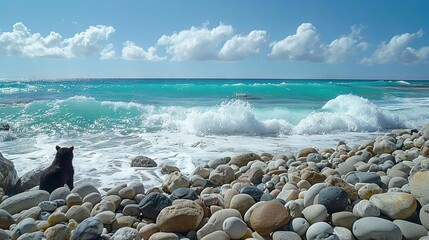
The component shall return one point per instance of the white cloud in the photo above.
(21, 42)
(240, 47)
(108, 52)
(219, 43)
(131, 51)
(305, 45)
(398, 49)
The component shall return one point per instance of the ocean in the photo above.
(187, 122)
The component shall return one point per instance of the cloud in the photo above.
(219, 43)
(305, 45)
(131, 51)
(398, 50)
(108, 52)
(21, 42)
(240, 47)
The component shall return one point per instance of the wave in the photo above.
(81, 115)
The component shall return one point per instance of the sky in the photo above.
(334, 39)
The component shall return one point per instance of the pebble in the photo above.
(23, 201)
(93, 198)
(315, 213)
(343, 233)
(104, 205)
(252, 191)
(78, 213)
(125, 233)
(148, 230)
(57, 217)
(188, 213)
(312, 193)
(73, 199)
(106, 217)
(27, 236)
(411, 230)
(5, 219)
(84, 189)
(368, 190)
(88, 229)
(282, 235)
(365, 208)
(234, 227)
(242, 202)
(321, 230)
(299, 225)
(376, 228)
(184, 193)
(59, 193)
(396, 205)
(343, 219)
(424, 216)
(219, 217)
(419, 186)
(131, 210)
(334, 198)
(49, 206)
(137, 186)
(223, 174)
(58, 232)
(217, 235)
(152, 205)
(268, 217)
(127, 193)
(175, 180)
(27, 225)
(164, 236)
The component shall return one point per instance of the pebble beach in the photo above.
(376, 190)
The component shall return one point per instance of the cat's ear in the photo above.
(71, 148)
(57, 147)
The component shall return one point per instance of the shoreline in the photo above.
(344, 192)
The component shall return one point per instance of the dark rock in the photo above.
(218, 161)
(28, 180)
(314, 157)
(8, 175)
(363, 177)
(142, 161)
(267, 197)
(4, 127)
(184, 193)
(168, 169)
(153, 203)
(253, 191)
(334, 198)
(89, 229)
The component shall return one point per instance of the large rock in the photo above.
(334, 198)
(85, 189)
(28, 180)
(424, 131)
(188, 213)
(5, 219)
(222, 174)
(305, 152)
(268, 217)
(25, 200)
(142, 161)
(419, 186)
(411, 230)
(220, 216)
(8, 175)
(396, 205)
(234, 227)
(369, 228)
(384, 146)
(90, 228)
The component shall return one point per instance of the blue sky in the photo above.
(214, 39)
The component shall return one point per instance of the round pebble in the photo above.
(321, 230)
(334, 198)
(234, 227)
(376, 228)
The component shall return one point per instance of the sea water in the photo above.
(187, 122)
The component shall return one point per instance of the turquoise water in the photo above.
(187, 121)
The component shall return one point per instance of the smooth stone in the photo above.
(218, 161)
(424, 216)
(201, 171)
(217, 235)
(44, 215)
(152, 204)
(59, 193)
(164, 236)
(5, 219)
(321, 230)
(419, 186)
(104, 205)
(384, 146)
(254, 175)
(127, 193)
(28, 236)
(28, 181)
(343, 219)
(131, 210)
(188, 213)
(168, 169)
(282, 235)
(84, 189)
(93, 198)
(138, 186)
(223, 174)
(299, 225)
(362, 177)
(219, 217)
(78, 213)
(335, 199)
(411, 230)
(253, 191)
(198, 181)
(143, 161)
(115, 190)
(365, 208)
(295, 207)
(315, 213)
(57, 232)
(57, 217)
(313, 177)
(243, 159)
(368, 190)
(5, 235)
(175, 180)
(397, 182)
(369, 228)
(122, 221)
(27, 225)
(336, 181)
(106, 217)
(8, 173)
(115, 199)
(33, 212)
(206, 230)
(89, 229)
(23, 201)
(288, 194)
(396, 205)
(148, 230)
(268, 217)
(184, 193)
(242, 202)
(305, 152)
(311, 194)
(126, 233)
(49, 206)
(343, 233)
(234, 227)
(73, 199)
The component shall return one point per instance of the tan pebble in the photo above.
(367, 191)
(72, 224)
(229, 194)
(164, 236)
(57, 232)
(73, 199)
(269, 216)
(42, 225)
(78, 213)
(127, 193)
(148, 230)
(242, 202)
(56, 217)
(217, 235)
(88, 206)
(215, 208)
(62, 209)
(115, 190)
